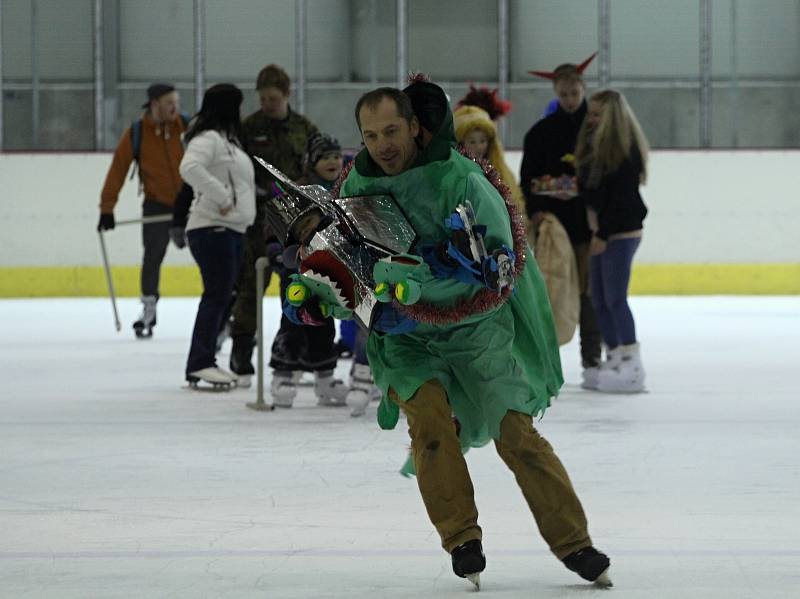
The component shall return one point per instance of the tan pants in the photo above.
(446, 487)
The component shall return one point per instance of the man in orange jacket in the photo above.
(155, 143)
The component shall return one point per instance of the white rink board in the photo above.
(705, 207)
(117, 483)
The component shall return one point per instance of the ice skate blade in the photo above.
(475, 579)
(207, 387)
(142, 333)
(604, 580)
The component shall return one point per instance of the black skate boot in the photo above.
(241, 359)
(590, 565)
(143, 326)
(469, 561)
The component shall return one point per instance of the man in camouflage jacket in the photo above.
(278, 135)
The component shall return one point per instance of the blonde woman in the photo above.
(476, 131)
(611, 158)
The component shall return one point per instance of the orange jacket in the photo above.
(159, 158)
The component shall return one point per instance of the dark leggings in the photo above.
(610, 277)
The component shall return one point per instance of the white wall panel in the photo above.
(705, 207)
(156, 40)
(242, 36)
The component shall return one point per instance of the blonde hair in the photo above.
(602, 150)
(469, 118)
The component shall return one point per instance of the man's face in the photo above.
(389, 138)
(274, 103)
(570, 95)
(166, 108)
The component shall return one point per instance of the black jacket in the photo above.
(546, 144)
(616, 199)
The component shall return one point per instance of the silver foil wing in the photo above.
(367, 229)
(379, 221)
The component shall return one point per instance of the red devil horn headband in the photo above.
(552, 75)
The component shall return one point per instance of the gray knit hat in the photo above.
(318, 145)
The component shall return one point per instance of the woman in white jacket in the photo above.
(221, 174)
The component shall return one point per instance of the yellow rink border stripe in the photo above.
(648, 279)
(90, 281)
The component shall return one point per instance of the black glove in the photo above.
(178, 236)
(106, 222)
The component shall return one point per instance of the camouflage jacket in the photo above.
(281, 143)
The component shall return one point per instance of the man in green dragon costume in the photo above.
(468, 362)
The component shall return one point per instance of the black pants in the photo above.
(302, 347)
(155, 238)
(591, 339)
(218, 252)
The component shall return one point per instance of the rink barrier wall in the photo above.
(720, 222)
(647, 279)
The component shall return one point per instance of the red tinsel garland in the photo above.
(485, 299)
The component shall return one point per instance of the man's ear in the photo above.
(414, 125)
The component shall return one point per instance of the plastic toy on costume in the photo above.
(355, 261)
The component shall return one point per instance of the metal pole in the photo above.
(300, 53)
(734, 78)
(1, 76)
(109, 280)
(401, 44)
(99, 107)
(260, 405)
(34, 74)
(199, 52)
(373, 56)
(502, 58)
(604, 41)
(705, 73)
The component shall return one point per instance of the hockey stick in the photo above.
(145, 220)
(261, 265)
(161, 218)
(109, 280)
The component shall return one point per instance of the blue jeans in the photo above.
(360, 349)
(218, 253)
(610, 276)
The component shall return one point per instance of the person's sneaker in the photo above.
(330, 391)
(469, 561)
(590, 564)
(283, 390)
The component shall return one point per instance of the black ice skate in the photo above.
(143, 326)
(590, 565)
(469, 561)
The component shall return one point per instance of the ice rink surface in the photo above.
(117, 482)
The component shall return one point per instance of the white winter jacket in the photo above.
(222, 176)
